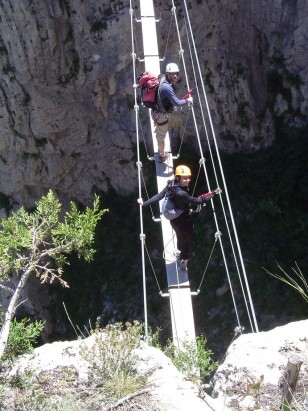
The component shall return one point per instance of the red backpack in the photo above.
(149, 84)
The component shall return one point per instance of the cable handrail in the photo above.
(223, 178)
(139, 166)
(181, 53)
(216, 179)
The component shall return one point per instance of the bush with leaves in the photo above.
(113, 379)
(193, 359)
(22, 337)
(38, 243)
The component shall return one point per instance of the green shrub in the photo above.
(22, 337)
(154, 338)
(7, 69)
(41, 142)
(269, 207)
(113, 360)
(193, 359)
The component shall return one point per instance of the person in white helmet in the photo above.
(166, 101)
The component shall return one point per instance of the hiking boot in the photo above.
(163, 157)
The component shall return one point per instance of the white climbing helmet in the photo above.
(172, 68)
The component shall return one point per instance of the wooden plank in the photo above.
(149, 39)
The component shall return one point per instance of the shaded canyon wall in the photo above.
(66, 101)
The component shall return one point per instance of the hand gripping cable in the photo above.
(210, 193)
(189, 92)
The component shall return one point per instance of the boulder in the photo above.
(252, 374)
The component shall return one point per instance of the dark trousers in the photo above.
(183, 227)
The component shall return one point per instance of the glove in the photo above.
(206, 197)
(189, 101)
(188, 94)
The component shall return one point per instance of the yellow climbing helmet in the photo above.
(183, 171)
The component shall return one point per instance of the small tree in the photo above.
(38, 243)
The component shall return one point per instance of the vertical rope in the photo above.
(139, 166)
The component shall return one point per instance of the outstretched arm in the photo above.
(157, 197)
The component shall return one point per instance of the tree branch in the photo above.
(127, 398)
(58, 249)
(21, 303)
(10, 290)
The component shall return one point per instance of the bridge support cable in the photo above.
(139, 165)
(255, 327)
(181, 53)
(183, 328)
(155, 276)
(208, 261)
(216, 179)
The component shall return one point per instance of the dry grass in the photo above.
(113, 381)
(59, 390)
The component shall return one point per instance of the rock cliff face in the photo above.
(254, 66)
(65, 121)
(66, 106)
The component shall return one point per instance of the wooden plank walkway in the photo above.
(183, 327)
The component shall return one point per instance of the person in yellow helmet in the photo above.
(178, 191)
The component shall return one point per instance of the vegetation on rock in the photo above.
(38, 243)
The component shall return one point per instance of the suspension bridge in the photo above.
(144, 22)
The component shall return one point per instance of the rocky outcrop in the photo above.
(166, 388)
(66, 102)
(254, 371)
(248, 379)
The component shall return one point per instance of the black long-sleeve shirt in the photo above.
(180, 197)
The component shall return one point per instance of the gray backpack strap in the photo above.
(160, 106)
